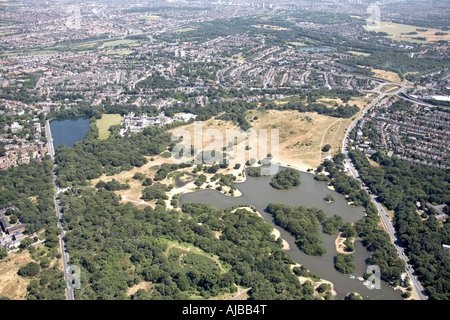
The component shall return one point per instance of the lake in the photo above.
(69, 131)
(258, 192)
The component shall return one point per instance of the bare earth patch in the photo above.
(12, 285)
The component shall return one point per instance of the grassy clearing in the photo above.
(387, 75)
(85, 46)
(269, 27)
(301, 135)
(356, 53)
(106, 122)
(397, 31)
(12, 285)
(185, 30)
(237, 57)
(301, 139)
(389, 88)
(297, 44)
(134, 194)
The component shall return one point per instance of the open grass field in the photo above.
(297, 44)
(387, 75)
(400, 32)
(134, 194)
(184, 30)
(301, 135)
(106, 122)
(269, 27)
(85, 46)
(389, 88)
(301, 139)
(12, 285)
(237, 57)
(356, 53)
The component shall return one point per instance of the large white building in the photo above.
(137, 124)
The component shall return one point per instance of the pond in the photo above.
(69, 131)
(256, 191)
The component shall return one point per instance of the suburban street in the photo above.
(385, 218)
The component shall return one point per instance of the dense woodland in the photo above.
(29, 187)
(92, 157)
(377, 241)
(119, 246)
(399, 186)
(301, 222)
(286, 179)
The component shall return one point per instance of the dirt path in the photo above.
(124, 198)
(240, 293)
(323, 137)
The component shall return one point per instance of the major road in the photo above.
(385, 218)
(62, 243)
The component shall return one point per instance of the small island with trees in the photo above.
(329, 198)
(286, 179)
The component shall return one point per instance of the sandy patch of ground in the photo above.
(134, 194)
(388, 75)
(277, 235)
(303, 135)
(126, 177)
(315, 283)
(144, 285)
(12, 285)
(301, 138)
(340, 246)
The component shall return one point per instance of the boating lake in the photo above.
(258, 192)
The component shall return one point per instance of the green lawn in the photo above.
(185, 29)
(399, 32)
(106, 122)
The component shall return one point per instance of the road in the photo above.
(62, 244)
(385, 218)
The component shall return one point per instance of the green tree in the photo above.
(344, 263)
(3, 253)
(286, 179)
(31, 269)
(326, 148)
